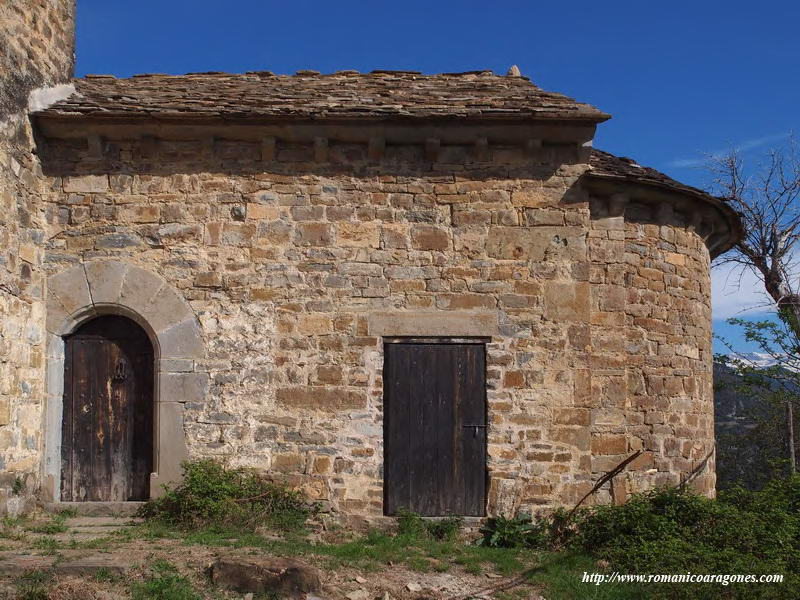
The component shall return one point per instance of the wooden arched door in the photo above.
(107, 433)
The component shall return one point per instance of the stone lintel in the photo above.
(423, 324)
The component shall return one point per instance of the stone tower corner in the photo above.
(37, 48)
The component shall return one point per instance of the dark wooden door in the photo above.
(435, 428)
(107, 434)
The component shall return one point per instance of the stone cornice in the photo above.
(716, 222)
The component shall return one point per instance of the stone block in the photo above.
(417, 323)
(258, 211)
(327, 399)
(166, 309)
(182, 387)
(571, 416)
(71, 289)
(208, 279)
(139, 287)
(175, 365)
(533, 243)
(572, 436)
(314, 234)
(86, 184)
(56, 314)
(609, 444)
(358, 235)
(465, 301)
(314, 324)
(429, 237)
(567, 301)
(181, 341)
(171, 446)
(272, 577)
(105, 280)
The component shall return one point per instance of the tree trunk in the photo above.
(789, 311)
(790, 418)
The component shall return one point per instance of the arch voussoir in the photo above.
(100, 287)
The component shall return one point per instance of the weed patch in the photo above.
(164, 584)
(34, 585)
(671, 531)
(212, 494)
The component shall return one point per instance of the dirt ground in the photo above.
(99, 558)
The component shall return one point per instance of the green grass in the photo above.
(55, 525)
(34, 585)
(165, 583)
(375, 550)
(561, 575)
(47, 545)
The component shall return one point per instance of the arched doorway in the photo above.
(107, 426)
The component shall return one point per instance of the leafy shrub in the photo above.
(674, 531)
(516, 532)
(444, 529)
(212, 494)
(412, 525)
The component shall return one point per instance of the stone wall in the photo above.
(36, 50)
(295, 267)
(651, 342)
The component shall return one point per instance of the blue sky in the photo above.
(680, 78)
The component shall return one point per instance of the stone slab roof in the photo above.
(604, 164)
(610, 167)
(345, 95)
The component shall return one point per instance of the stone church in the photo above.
(388, 289)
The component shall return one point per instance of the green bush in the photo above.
(674, 531)
(212, 494)
(505, 532)
(523, 531)
(412, 525)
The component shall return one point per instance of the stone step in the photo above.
(96, 522)
(96, 509)
(85, 565)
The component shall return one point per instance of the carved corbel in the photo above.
(432, 147)
(481, 149)
(209, 146)
(532, 146)
(95, 146)
(321, 149)
(617, 204)
(148, 145)
(664, 214)
(695, 221)
(376, 148)
(268, 148)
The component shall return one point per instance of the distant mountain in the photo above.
(758, 359)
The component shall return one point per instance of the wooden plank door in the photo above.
(107, 432)
(435, 428)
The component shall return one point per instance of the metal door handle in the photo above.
(475, 429)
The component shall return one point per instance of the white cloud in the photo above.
(742, 147)
(737, 293)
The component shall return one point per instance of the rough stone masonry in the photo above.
(271, 233)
